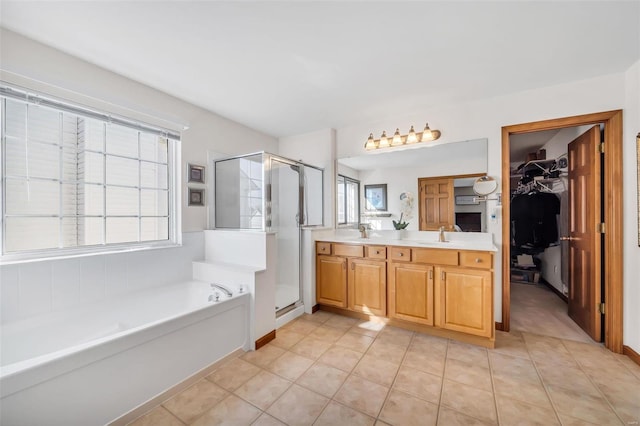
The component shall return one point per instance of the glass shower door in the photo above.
(285, 191)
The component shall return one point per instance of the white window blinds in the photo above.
(75, 180)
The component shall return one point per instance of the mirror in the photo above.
(485, 185)
(399, 169)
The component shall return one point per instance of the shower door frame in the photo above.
(266, 207)
(268, 220)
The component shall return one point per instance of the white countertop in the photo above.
(456, 241)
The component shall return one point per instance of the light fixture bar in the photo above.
(427, 135)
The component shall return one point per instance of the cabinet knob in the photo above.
(401, 254)
(478, 260)
(323, 249)
(377, 251)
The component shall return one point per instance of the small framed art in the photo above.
(196, 173)
(375, 197)
(196, 197)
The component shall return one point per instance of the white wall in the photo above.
(34, 65)
(485, 118)
(317, 149)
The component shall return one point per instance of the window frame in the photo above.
(174, 239)
(346, 179)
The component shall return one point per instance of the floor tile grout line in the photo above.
(444, 371)
(595, 385)
(542, 381)
(395, 377)
(493, 388)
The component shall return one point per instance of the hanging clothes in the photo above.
(534, 219)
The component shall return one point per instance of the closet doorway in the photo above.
(598, 278)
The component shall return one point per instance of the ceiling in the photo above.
(291, 67)
(524, 143)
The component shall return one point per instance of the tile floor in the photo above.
(536, 309)
(325, 369)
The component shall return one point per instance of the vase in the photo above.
(398, 234)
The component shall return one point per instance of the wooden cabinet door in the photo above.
(436, 206)
(410, 292)
(331, 281)
(465, 300)
(367, 286)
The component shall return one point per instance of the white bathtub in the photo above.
(93, 364)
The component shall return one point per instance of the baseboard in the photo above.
(315, 308)
(172, 391)
(265, 339)
(555, 290)
(633, 355)
(407, 325)
(499, 326)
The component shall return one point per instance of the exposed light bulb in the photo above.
(384, 142)
(397, 139)
(411, 137)
(371, 143)
(426, 134)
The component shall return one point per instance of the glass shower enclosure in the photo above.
(266, 192)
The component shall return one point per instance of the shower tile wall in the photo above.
(35, 288)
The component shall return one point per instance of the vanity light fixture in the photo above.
(427, 135)
(383, 142)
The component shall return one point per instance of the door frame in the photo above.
(454, 177)
(612, 266)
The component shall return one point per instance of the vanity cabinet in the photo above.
(465, 301)
(443, 291)
(331, 281)
(367, 286)
(411, 292)
(347, 279)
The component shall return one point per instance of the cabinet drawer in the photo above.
(400, 253)
(323, 248)
(436, 256)
(376, 252)
(475, 259)
(348, 250)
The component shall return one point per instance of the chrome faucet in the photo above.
(363, 230)
(222, 288)
(442, 238)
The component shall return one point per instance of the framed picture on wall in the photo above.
(196, 173)
(375, 197)
(196, 197)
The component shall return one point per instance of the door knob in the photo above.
(567, 239)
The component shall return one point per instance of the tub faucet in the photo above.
(222, 288)
(217, 297)
(442, 238)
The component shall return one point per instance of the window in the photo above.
(73, 179)
(348, 201)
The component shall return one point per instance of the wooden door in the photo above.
(436, 203)
(331, 281)
(367, 286)
(410, 292)
(464, 300)
(584, 237)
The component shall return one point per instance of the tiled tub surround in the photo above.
(89, 365)
(35, 288)
(325, 369)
